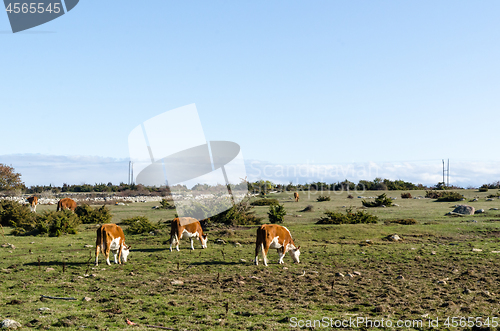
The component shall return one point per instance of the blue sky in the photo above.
(292, 82)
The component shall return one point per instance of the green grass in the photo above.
(259, 297)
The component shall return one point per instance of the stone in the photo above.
(357, 273)
(9, 324)
(464, 210)
(477, 250)
(43, 309)
(339, 274)
(394, 237)
(50, 269)
(88, 246)
(479, 211)
(86, 299)
(177, 282)
(400, 277)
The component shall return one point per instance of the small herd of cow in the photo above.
(110, 237)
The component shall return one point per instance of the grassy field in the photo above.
(444, 267)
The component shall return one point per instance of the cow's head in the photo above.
(295, 253)
(125, 252)
(203, 240)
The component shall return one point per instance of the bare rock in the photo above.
(394, 237)
(400, 277)
(479, 211)
(464, 210)
(339, 274)
(9, 324)
(86, 299)
(177, 282)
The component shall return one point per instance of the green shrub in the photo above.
(406, 195)
(483, 188)
(276, 213)
(359, 217)
(164, 204)
(138, 225)
(50, 223)
(239, 214)
(381, 200)
(13, 213)
(89, 215)
(496, 195)
(265, 202)
(322, 198)
(433, 194)
(448, 196)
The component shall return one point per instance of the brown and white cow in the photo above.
(33, 201)
(278, 237)
(296, 196)
(66, 203)
(110, 237)
(186, 226)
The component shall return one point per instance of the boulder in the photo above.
(464, 210)
(479, 211)
(9, 324)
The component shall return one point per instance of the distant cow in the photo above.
(33, 201)
(186, 226)
(278, 237)
(66, 203)
(296, 196)
(110, 237)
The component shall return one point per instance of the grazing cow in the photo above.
(186, 226)
(33, 201)
(275, 236)
(296, 196)
(110, 237)
(66, 203)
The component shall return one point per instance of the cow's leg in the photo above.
(178, 238)
(119, 254)
(96, 255)
(192, 243)
(265, 249)
(172, 238)
(106, 253)
(257, 248)
(281, 254)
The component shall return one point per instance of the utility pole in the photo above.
(447, 171)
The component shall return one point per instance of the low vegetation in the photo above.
(89, 215)
(449, 196)
(265, 202)
(276, 214)
(405, 221)
(406, 195)
(139, 224)
(381, 200)
(322, 198)
(350, 217)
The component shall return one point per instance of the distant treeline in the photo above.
(262, 186)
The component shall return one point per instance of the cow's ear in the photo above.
(129, 247)
(298, 248)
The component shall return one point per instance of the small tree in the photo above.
(9, 179)
(276, 213)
